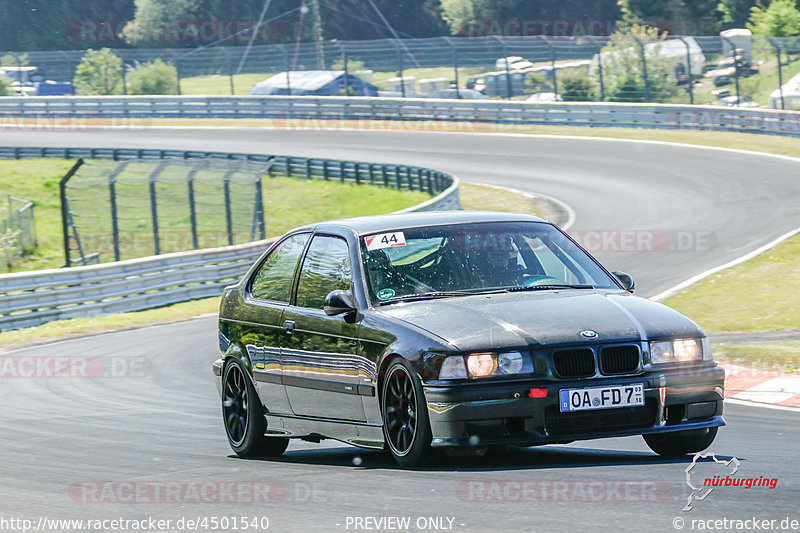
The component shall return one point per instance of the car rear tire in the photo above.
(406, 426)
(677, 443)
(243, 416)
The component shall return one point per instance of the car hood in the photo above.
(497, 321)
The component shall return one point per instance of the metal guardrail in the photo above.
(90, 112)
(32, 298)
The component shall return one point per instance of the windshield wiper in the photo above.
(424, 296)
(547, 287)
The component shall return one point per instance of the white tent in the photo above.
(674, 49)
(791, 95)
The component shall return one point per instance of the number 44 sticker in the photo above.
(385, 240)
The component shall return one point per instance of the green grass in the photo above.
(480, 198)
(757, 295)
(217, 85)
(783, 357)
(38, 181)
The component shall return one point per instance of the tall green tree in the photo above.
(459, 13)
(99, 73)
(780, 19)
(687, 17)
(51, 24)
(735, 13)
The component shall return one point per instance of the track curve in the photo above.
(161, 423)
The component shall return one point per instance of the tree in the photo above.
(4, 83)
(686, 17)
(461, 14)
(100, 72)
(735, 12)
(780, 19)
(155, 77)
(54, 24)
(623, 71)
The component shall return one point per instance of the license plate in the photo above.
(601, 397)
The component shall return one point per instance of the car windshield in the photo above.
(472, 258)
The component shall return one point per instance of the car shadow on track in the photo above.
(496, 459)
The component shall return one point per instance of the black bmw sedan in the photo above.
(458, 329)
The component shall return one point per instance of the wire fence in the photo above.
(134, 207)
(728, 70)
(17, 229)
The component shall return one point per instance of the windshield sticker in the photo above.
(385, 294)
(385, 240)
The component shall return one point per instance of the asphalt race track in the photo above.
(140, 444)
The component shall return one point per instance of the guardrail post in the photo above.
(385, 176)
(342, 171)
(777, 48)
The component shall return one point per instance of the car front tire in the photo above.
(406, 426)
(243, 416)
(678, 443)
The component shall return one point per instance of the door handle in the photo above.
(288, 327)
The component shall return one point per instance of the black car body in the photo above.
(325, 337)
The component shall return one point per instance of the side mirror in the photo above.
(625, 280)
(339, 302)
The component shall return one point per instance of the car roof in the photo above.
(392, 222)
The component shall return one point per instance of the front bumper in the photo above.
(480, 414)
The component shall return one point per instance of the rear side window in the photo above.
(326, 268)
(273, 281)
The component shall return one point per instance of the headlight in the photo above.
(679, 351)
(481, 365)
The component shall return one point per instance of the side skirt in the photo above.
(363, 435)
